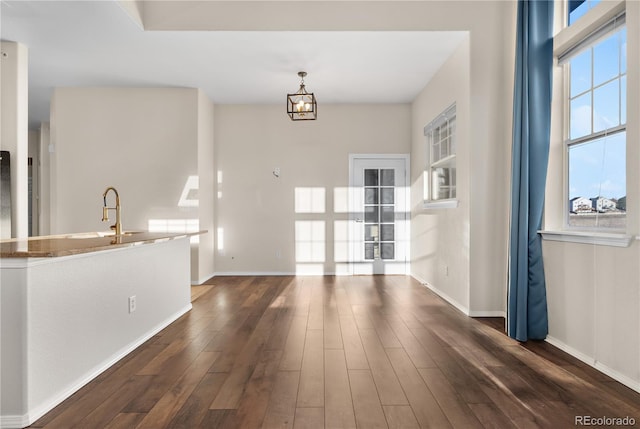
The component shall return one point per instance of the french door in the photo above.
(379, 199)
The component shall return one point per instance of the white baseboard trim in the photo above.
(15, 421)
(201, 280)
(496, 313)
(253, 273)
(593, 362)
(443, 295)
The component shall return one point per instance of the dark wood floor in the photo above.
(314, 352)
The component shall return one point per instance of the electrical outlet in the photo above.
(132, 304)
(278, 254)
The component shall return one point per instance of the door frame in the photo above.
(354, 210)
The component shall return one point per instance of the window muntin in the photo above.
(440, 177)
(596, 144)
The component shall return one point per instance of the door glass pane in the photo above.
(370, 177)
(371, 232)
(387, 232)
(387, 195)
(371, 214)
(368, 251)
(371, 195)
(388, 177)
(387, 250)
(388, 214)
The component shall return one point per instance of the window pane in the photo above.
(580, 73)
(606, 106)
(388, 177)
(606, 60)
(371, 232)
(371, 195)
(387, 195)
(387, 232)
(443, 181)
(369, 252)
(371, 214)
(387, 250)
(597, 183)
(388, 214)
(580, 116)
(577, 8)
(370, 177)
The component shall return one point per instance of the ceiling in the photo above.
(96, 43)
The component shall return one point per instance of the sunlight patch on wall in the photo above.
(341, 241)
(341, 200)
(309, 200)
(310, 241)
(189, 195)
(220, 238)
(177, 226)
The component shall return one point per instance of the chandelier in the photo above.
(302, 105)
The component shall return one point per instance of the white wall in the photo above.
(440, 237)
(14, 63)
(145, 142)
(593, 291)
(255, 209)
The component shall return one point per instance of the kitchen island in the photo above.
(73, 305)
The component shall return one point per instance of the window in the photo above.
(577, 8)
(440, 176)
(596, 132)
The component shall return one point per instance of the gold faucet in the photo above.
(105, 210)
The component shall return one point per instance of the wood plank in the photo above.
(196, 407)
(424, 405)
(338, 408)
(125, 421)
(255, 398)
(400, 417)
(456, 410)
(387, 383)
(311, 388)
(353, 349)
(309, 418)
(294, 347)
(366, 403)
(170, 403)
(282, 402)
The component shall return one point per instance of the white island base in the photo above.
(66, 319)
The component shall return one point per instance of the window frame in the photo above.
(450, 113)
(614, 23)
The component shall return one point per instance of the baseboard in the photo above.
(443, 295)
(33, 415)
(257, 273)
(497, 313)
(591, 361)
(201, 280)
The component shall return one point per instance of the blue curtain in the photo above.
(527, 297)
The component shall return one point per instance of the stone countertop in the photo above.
(73, 244)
